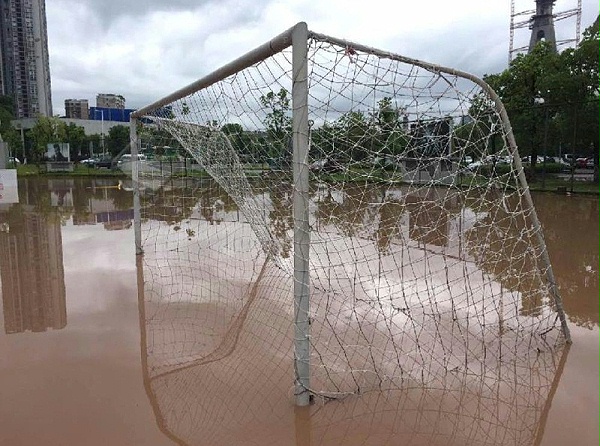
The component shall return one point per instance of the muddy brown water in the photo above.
(72, 370)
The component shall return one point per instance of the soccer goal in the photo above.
(334, 220)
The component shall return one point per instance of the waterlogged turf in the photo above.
(89, 355)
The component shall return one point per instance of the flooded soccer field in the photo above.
(89, 355)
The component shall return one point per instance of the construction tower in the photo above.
(541, 21)
(542, 24)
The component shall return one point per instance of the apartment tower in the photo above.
(24, 60)
(109, 100)
(77, 108)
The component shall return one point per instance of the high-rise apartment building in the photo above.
(77, 108)
(32, 273)
(104, 100)
(24, 60)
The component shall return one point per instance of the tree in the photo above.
(393, 139)
(7, 131)
(237, 137)
(523, 87)
(356, 136)
(117, 139)
(323, 140)
(93, 142)
(6, 113)
(278, 121)
(75, 136)
(553, 98)
(387, 117)
(580, 90)
(13, 137)
(45, 131)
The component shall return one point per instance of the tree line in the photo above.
(33, 142)
(552, 99)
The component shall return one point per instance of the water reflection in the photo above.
(216, 358)
(31, 270)
(245, 399)
(31, 251)
(571, 231)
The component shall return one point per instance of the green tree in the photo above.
(13, 137)
(93, 143)
(278, 121)
(7, 131)
(323, 141)
(387, 116)
(6, 113)
(355, 136)
(75, 136)
(117, 139)
(522, 87)
(579, 91)
(391, 139)
(553, 97)
(45, 131)
(238, 138)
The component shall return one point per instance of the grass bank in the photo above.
(27, 170)
(551, 183)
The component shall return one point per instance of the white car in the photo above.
(127, 158)
(475, 165)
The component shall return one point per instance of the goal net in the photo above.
(331, 220)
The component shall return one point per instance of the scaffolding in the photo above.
(520, 19)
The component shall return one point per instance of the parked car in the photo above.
(589, 164)
(475, 165)
(581, 163)
(90, 162)
(326, 165)
(527, 159)
(105, 163)
(127, 158)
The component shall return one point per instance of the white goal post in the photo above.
(408, 262)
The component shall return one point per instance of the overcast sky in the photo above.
(145, 49)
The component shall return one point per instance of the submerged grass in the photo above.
(27, 170)
(551, 183)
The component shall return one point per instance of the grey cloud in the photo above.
(108, 11)
(230, 28)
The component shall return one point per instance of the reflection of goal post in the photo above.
(416, 265)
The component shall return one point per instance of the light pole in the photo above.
(540, 101)
(102, 132)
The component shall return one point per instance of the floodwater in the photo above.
(74, 337)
